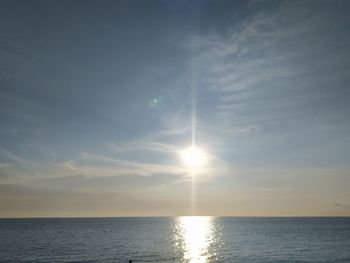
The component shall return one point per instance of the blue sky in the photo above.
(97, 100)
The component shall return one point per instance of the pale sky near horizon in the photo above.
(96, 101)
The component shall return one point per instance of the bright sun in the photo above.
(193, 157)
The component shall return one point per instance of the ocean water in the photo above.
(178, 239)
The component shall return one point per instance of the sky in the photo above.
(98, 99)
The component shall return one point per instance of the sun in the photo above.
(193, 157)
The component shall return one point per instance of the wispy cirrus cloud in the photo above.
(142, 145)
(262, 69)
(99, 165)
(116, 164)
(276, 82)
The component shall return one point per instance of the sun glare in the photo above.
(195, 236)
(193, 157)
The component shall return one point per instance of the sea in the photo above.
(176, 239)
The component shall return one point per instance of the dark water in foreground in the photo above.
(183, 239)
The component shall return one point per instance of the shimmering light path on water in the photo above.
(195, 236)
(181, 239)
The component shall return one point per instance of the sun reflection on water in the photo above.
(194, 236)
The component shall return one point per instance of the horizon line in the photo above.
(160, 216)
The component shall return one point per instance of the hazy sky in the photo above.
(97, 100)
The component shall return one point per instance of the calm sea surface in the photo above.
(182, 239)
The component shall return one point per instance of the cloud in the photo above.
(151, 156)
(5, 165)
(120, 183)
(92, 165)
(142, 145)
(342, 205)
(10, 157)
(263, 69)
(99, 165)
